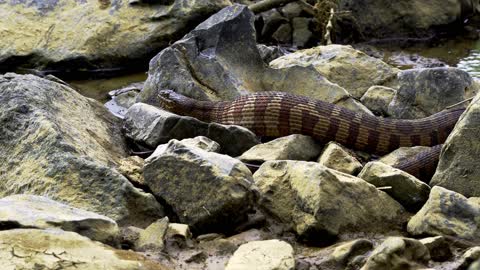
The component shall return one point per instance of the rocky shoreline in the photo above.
(144, 188)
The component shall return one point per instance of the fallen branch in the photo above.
(265, 5)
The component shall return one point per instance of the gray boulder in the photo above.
(70, 35)
(318, 202)
(423, 92)
(206, 190)
(219, 60)
(403, 187)
(59, 144)
(151, 126)
(377, 98)
(351, 69)
(30, 211)
(458, 168)
(447, 213)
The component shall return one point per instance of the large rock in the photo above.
(263, 255)
(150, 126)
(72, 35)
(30, 211)
(406, 189)
(377, 98)
(58, 143)
(318, 202)
(343, 65)
(206, 190)
(292, 147)
(219, 60)
(448, 213)
(56, 249)
(397, 253)
(383, 19)
(458, 168)
(423, 92)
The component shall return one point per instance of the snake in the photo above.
(277, 114)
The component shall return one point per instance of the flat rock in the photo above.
(447, 213)
(58, 143)
(30, 211)
(318, 202)
(292, 147)
(76, 36)
(458, 168)
(343, 65)
(336, 157)
(404, 188)
(263, 255)
(398, 253)
(423, 92)
(151, 126)
(208, 191)
(56, 249)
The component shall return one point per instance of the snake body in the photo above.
(276, 114)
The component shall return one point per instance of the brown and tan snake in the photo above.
(276, 114)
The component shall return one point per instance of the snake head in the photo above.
(167, 99)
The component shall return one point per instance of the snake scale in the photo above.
(276, 114)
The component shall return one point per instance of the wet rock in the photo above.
(438, 247)
(58, 143)
(301, 32)
(398, 253)
(208, 191)
(263, 255)
(343, 65)
(69, 36)
(132, 168)
(423, 92)
(347, 252)
(458, 168)
(292, 147)
(211, 64)
(30, 211)
(447, 213)
(124, 98)
(406, 189)
(470, 258)
(335, 156)
(377, 19)
(318, 203)
(148, 125)
(56, 249)
(377, 98)
(151, 239)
